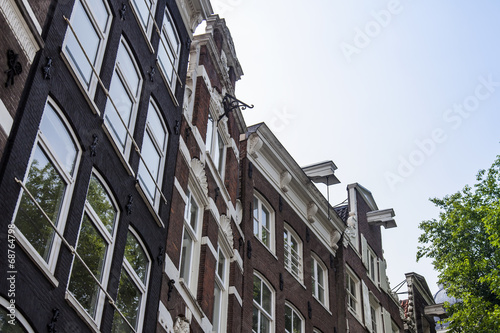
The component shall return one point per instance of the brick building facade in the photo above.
(89, 114)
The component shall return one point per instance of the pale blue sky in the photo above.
(367, 111)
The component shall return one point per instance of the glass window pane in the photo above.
(267, 299)
(210, 133)
(164, 57)
(220, 155)
(136, 257)
(170, 31)
(265, 324)
(297, 323)
(101, 203)
(89, 39)
(151, 159)
(186, 252)
(128, 70)
(193, 220)
(255, 320)
(142, 11)
(221, 265)
(58, 138)
(47, 187)
(123, 104)
(288, 319)
(156, 126)
(256, 208)
(256, 289)
(100, 13)
(128, 301)
(217, 308)
(92, 249)
(265, 217)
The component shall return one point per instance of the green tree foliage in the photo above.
(464, 244)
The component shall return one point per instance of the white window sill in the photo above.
(81, 311)
(151, 209)
(88, 94)
(35, 257)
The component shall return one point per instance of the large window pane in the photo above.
(187, 250)
(47, 186)
(151, 158)
(123, 104)
(89, 39)
(101, 203)
(128, 301)
(136, 257)
(92, 249)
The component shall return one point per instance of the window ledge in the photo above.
(169, 88)
(267, 248)
(323, 305)
(86, 93)
(355, 315)
(151, 209)
(81, 311)
(117, 150)
(35, 257)
(191, 301)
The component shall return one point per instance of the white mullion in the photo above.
(73, 251)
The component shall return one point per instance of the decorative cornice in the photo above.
(198, 169)
(225, 223)
(20, 29)
(285, 179)
(254, 144)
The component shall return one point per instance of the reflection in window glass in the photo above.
(136, 257)
(100, 201)
(92, 249)
(128, 302)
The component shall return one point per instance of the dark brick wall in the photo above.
(36, 296)
(271, 266)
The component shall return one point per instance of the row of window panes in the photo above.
(263, 316)
(50, 179)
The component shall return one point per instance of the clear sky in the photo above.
(403, 96)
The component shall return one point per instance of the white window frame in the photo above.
(261, 202)
(160, 149)
(195, 234)
(318, 263)
(109, 238)
(217, 157)
(143, 287)
(221, 282)
(353, 280)
(137, 10)
(376, 315)
(119, 74)
(20, 320)
(260, 309)
(48, 267)
(288, 253)
(165, 42)
(103, 35)
(298, 314)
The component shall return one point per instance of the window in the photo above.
(220, 292)
(50, 179)
(169, 50)
(95, 244)
(133, 286)
(153, 152)
(353, 293)
(215, 145)
(319, 279)
(90, 20)
(372, 265)
(144, 12)
(293, 253)
(190, 242)
(375, 315)
(263, 222)
(263, 304)
(124, 91)
(12, 322)
(293, 320)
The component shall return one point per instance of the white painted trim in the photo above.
(234, 291)
(19, 28)
(6, 120)
(206, 241)
(4, 303)
(237, 258)
(180, 190)
(164, 318)
(170, 269)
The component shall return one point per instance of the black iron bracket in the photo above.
(230, 103)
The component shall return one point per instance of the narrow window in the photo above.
(95, 244)
(263, 303)
(133, 286)
(90, 20)
(220, 292)
(263, 222)
(169, 51)
(293, 253)
(124, 91)
(319, 277)
(50, 179)
(190, 242)
(153, 152)
(293, 320)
